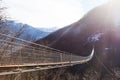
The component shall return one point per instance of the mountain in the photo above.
(24, 31)
(98, 29)
(79, 37)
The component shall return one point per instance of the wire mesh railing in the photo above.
(15, 51)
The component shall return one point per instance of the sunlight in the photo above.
(115, 10)
(49, 13)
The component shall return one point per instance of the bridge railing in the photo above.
(15, 51)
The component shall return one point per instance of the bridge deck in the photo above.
(16, 69)
(20, 56)
(39, 64)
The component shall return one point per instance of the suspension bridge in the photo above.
(20, 56)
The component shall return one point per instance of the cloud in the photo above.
(45, 13)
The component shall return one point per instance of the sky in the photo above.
(49, 13)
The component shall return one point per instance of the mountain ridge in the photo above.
(26, 30)
(96, 29)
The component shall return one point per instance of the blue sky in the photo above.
(49, 13)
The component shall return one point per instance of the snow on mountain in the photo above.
(25, 31)
(95, 37)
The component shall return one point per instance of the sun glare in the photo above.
(115, 10)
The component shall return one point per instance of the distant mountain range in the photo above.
(25, 31)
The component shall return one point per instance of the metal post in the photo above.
(21, 56)
(32, 57)
(11, 58)
(61, 57)
(70, 58)
(19, 59)
(43, 57)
